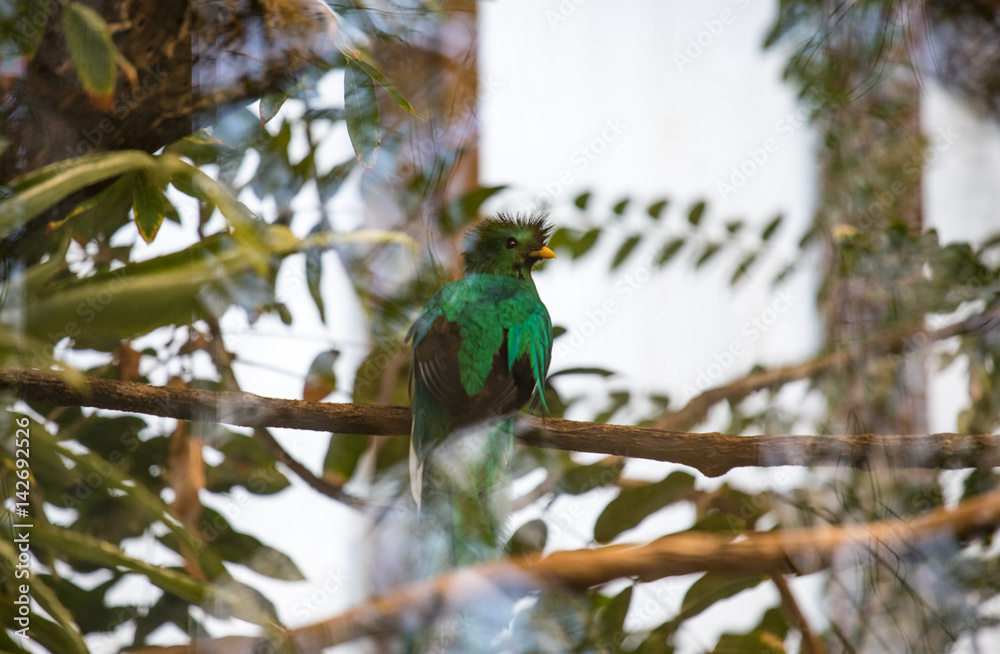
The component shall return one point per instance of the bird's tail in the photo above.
(465, 500)
(463, 514)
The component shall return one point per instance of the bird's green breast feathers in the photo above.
(484, 306)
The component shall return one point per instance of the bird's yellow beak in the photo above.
(544, 253)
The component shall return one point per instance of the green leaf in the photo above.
(582, 479)
(662, 401)
(710, 251)
(91, 465)
(710, 588)
(148, 206)
(618, 400)
(270, 105)
(633, 505)
(201, 148)
(563, 239)
(92, 51)
(621, 206)
(35, 192)
(103, 213)
(384, 82)
(321, 379)
(528, 539)
(582, 200)
(696, 212)
(246, 550)
(602, 372)
(465, 209)
(167, 610)
(46, 633)
(654, 210)
(75, 545)
(771, 228)
(656, 642)
(329, 183)
(24, 31)
(611, 619)
(342, 456)
(783, 274)
(669, 249)
(234, 599)
(744, 267)
(624, 250)
(587, 241)
(361, 106)
(720, 521)
(170, 290)
(248, 464)
(169, 210)
(768, 637)
(48, 600)
(314, 275)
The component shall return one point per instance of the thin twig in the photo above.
(811, 642)
(886, 343)
(223, 363)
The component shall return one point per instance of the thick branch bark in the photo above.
(711, 453)
(800, 551)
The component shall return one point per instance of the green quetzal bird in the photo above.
(481, 348)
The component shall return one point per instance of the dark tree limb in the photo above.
(711, 453)
(795, 551)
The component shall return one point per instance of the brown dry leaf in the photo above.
(128, 363)
(186, 474)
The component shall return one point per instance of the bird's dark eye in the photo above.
(511, 243)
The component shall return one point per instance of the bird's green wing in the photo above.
(532, 337)
(486, 308)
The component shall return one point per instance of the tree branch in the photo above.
(711, 453)
(889, 342)
(800, 551)
(811, 642)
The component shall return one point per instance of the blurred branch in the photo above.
(886, 343)
(811, 642)
(711, 453)
(800, 551)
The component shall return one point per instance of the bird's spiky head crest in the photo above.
(507, 244)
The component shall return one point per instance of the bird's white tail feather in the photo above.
(416, 475)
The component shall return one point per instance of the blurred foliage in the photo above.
(87, 289)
